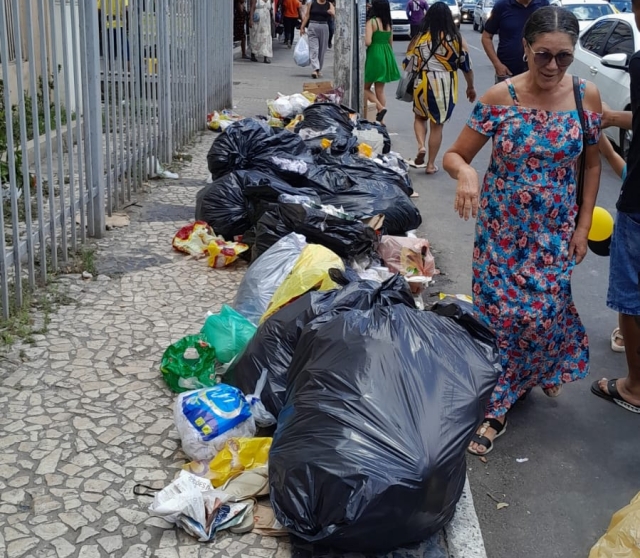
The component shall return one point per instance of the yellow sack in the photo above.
(238, 454)
(622, 539)
(310, 273)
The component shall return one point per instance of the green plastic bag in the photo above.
(185, 374)
(228, 333)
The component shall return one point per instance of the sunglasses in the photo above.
(543, 58)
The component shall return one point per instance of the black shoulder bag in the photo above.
(582, 162)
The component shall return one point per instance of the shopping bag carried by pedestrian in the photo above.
(301, 53)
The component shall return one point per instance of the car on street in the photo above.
(399, 20)
(466, 11)
(622, 6)
(455, 10)
(586, 10)
(481, 14)
(602, 57)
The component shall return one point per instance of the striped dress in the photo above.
(436, 87)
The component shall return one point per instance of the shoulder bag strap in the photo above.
(582, 161)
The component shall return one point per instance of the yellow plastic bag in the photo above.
(310, 273)
(194, 238)
(622, 539)
(238, 454)
(222, 253)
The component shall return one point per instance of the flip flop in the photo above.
(616, 335)
(419, 160)
(380, 116)
(414, 195)
(248, 484)
(613, 395)
(248, 521)
(486, 442)
(435, 170)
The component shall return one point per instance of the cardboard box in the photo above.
(317, 87)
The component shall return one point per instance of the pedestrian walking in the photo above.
(260, 20)
(507, 21)
(316, 25)
(529, 235)
(239, 26)
(416, 10)
(332, 27)
(290, 14)
(381, 66)
(624, 260)
(438, 52)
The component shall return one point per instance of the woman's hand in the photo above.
(578, 245)
(467, 191)
(331, 10)
(301, 31)
(471, 93)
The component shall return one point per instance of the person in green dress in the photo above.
(381, 66)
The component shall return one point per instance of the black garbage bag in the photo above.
(323, 116)
(348, 239)
(252, 144)
(274, 343)
(369, 453)
(223, 206)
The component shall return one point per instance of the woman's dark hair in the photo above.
(438, 22)
(381, 10)
(551, 19)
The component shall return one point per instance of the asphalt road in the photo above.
(583, 453)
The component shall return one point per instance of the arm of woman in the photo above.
(467, 72)
(305, 21)
(368, 33)
(331, 10)
(593, 166)
(252, 10)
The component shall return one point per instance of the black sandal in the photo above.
(482, 440)
(253, 58)
(380, 116)
(613, 395)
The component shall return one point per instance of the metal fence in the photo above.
(94, 95)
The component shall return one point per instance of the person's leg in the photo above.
(371, 96)
(323, 38)
(314, 47)
(243, 46)
(382, 98)
(288, 30)
(435, 141)
(420, 129)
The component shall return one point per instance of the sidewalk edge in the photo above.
(464, 537)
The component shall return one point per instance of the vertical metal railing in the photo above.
(94, 94)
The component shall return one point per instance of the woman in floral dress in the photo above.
(529, 235)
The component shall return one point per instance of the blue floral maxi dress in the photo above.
(521, 266)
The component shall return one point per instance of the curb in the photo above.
(464, 537)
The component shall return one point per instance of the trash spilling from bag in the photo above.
(324, 385)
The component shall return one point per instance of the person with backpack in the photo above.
(416, 10)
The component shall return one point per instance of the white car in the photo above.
(586, 10)
(602, 56)
(481, 14)
(399, 19)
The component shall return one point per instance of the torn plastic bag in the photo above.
(274, 343)
(391, 398)
(207, 418)
(194, 239)
(228, 332)
(252, 144)
(310, 273)
(347, 238)
(382, 130)
(321, 116)
(222, 205)
(407, 256)
(267, 273)
(622, 539)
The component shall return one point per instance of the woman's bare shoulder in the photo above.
(497, 94)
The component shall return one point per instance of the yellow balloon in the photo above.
(601, 225)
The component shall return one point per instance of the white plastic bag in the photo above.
(207, 418)
(265, 275)
(299, 102)
(301, 53)
(282, 106)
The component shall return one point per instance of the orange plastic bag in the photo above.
(622, 539)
